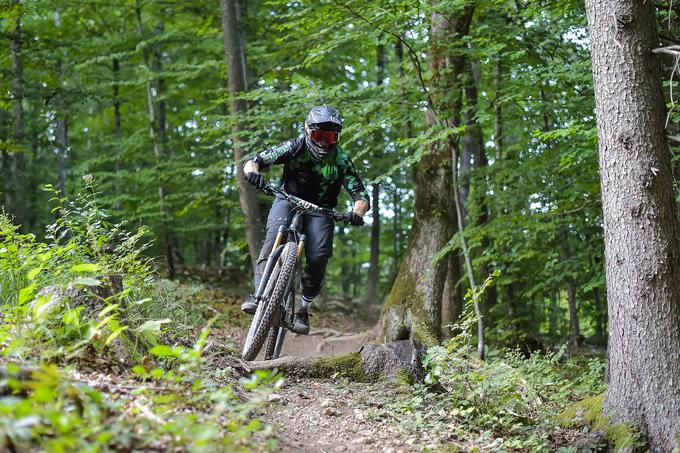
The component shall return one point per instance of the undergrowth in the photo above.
(99, 353)
(506, 403)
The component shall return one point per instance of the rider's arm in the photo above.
(356, 189)
(279, 154)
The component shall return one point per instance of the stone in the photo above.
(394, 360)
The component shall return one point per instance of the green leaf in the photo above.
(153, 326)
(87, 281)
(84, 268)
(25, 294)
(115, 334)
(33, 273)
(162, 350)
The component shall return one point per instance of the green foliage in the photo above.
(49, 410)
(61, 304)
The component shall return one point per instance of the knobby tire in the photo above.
(263, 320)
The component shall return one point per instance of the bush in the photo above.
(87, 300)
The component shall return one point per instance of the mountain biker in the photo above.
(314, 169)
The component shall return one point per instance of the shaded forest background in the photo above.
(134, 95)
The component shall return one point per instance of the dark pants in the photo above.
(318, 247)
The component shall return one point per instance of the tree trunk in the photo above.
(497, 112)
(374, 269)
(62, 132)
(574, 330)
(553, 314)
(474, 140)
(396, 231)
(413, 307)
(235, 60)
(19, 207)
(642, 246)
(452, 297)
(157, 142)
(117, 128)
(345, 278)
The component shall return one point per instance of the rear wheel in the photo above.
(277, 333)
(271, 303)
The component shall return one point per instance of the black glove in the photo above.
(255, 179)
(354, 218)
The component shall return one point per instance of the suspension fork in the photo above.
(277, 248)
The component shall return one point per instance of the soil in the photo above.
(335, 415)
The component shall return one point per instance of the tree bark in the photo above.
(19, 158)
(642, 246)
(374, 269)
(235, 60)
(413, 307)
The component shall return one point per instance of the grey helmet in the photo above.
(322, 118)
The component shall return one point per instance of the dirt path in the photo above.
(315, 415)
(333, 415)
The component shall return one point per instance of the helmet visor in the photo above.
(325, 139)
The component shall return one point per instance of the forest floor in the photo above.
(339, 415)
(299, 414)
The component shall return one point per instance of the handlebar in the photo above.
(304, 205)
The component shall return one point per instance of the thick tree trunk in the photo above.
(374, 269)
(413, 308)
(235, 59)
(19, 206)
(642, 246)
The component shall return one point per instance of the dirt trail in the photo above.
(333, 415)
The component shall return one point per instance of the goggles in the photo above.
(325, 139)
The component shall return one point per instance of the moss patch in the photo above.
(589, 412)
(403, 311)
(349, 365)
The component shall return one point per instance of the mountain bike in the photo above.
(276, 291)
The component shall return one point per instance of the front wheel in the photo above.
(271, 301)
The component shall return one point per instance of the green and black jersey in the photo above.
(313, 180)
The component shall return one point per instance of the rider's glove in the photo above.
(354, 218)
(255, 179)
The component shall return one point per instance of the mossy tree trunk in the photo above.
(641, 230)
(414, 306)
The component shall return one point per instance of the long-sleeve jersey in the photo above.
(313, 180)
